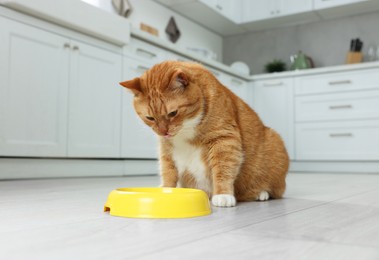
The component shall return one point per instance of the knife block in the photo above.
(354, 57)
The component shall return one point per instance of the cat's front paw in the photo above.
(264, 195)
(224, 200)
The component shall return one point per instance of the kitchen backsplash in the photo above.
(326, 42)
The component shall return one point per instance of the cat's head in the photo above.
(167, 99)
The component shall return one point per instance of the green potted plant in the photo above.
(276, 65)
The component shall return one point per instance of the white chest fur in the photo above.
(188, 157)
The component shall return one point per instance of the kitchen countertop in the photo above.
(306, 72)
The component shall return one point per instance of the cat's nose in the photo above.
(163, 131)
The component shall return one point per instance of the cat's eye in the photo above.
(150, 118)
(172, 114)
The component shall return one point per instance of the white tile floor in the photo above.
(323, 216)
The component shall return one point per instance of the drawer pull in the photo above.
(341, 107)
(145, 53)
(336, 135)
(273, 84)
(236, 82)
(340, 82)
(142, 68)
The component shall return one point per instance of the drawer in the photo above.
(338, 106)
(145, 51)
(338, 82)
(354, 140)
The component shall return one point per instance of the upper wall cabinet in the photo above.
(321, 4)
(258, 14)
(339, 8)
(228, 17)
(229, 9)
(256, 10)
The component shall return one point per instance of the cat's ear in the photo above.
(133, 85)
(179, 80)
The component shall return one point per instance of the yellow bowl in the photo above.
(157, 203)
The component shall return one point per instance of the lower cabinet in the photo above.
(94, 102)
(58, 97)
(239, 87)
(337, 116)
(273, 101)
(338, 141)
(138, 140)
(34, 78)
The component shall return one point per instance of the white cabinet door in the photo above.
(138, 140)
(289, 7)
(273, 101)
(33, 91)
(229, 9)
(238, 86)
(321, 4)
(94, 102)
(256, 10)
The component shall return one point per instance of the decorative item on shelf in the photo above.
(355, 54)
(240, 67)
(149, 29)
(122, 7)
(275, 66)
(301, 61)
(172, 30)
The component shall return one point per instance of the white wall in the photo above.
(156, 15)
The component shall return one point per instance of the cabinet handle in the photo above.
(340, 82)
(336, 135)
(273, 84)
(236, 82)
(219, 7)
(341, 107)
(66, 45)
(143, 68)
(150, 54)
(75, 48)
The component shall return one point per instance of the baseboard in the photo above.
(21, 168)
(335, 166)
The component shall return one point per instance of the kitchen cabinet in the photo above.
(229, 9)
(256, 10)
(337, 116)
(59, 97)
(321, 4)
(239, 87)
(138, 140)
(94, 102)
(341, 8)
(273, 101)
(34, 78)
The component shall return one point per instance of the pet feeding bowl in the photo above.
(157, 203)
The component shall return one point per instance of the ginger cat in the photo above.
(209, 138)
